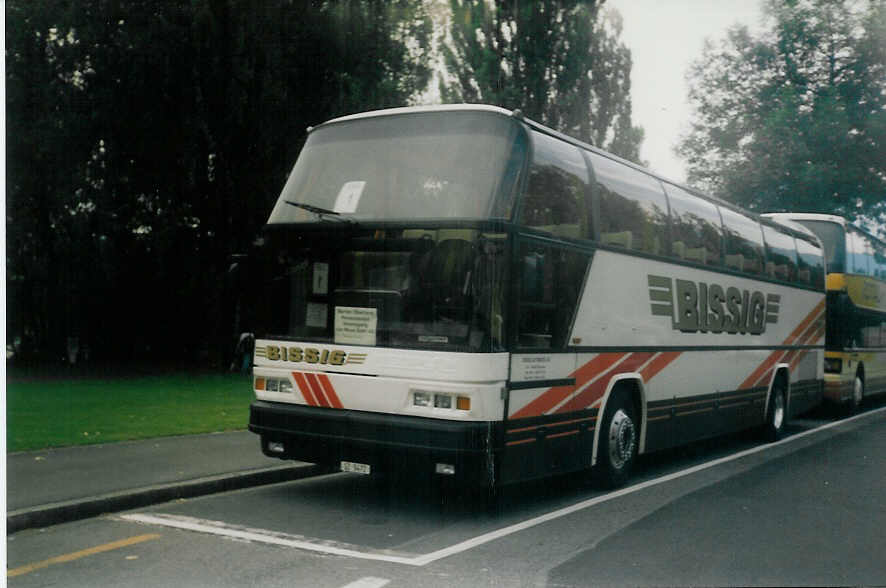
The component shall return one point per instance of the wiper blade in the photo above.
(321, 212)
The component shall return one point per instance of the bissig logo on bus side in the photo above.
(700, 307)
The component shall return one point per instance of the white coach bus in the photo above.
(462, 291)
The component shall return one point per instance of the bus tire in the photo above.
(857, 397)
(619, 434)
(777, 413)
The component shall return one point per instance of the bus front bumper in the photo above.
(384, 442)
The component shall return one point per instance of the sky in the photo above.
(664, 37)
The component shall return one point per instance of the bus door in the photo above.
(544, 429)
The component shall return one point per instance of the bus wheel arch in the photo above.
(618, 438)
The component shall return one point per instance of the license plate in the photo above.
(357, 468)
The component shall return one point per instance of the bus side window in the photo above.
(550, 284)
(857, 253)
(781, 255)
(695, 227)
(810, 264)
(557, 195)
(744, 242)
(633, 207)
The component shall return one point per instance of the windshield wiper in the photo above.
(323, 213)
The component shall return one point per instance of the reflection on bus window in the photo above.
(556, 198)
(744, 242)
(695, 227)
(781, 255)
(633, 208)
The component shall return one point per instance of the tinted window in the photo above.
(834, 240)
(810, 264)
(744, 242)
(781, 255)
(556, 198)
(550, 284)
(633, 209)
(695, 227)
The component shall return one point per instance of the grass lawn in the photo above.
(57, 412)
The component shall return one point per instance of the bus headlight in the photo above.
(421, 398)
(440, 400)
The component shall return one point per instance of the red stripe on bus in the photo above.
(802, 329)
(554, 396)
(330, 390)
(816, 336)
(595, 391)
(317, 389)
(659, 363)
(305, 388)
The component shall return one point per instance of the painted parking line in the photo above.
(368, 582)
(264, 536)
(27, 569)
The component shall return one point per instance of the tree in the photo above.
(148, 140)
(795, 118)
(559, 61)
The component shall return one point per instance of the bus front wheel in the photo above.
(617, 449)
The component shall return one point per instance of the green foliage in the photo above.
(148, 140)
(104, 410)
(795, 119)
(560, 62)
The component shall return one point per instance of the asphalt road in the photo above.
(807, 511)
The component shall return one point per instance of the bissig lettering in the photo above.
(712, 308)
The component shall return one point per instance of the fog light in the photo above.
(447, 469)
(276, 447)
(421, 399)
(285, 386)
(442, 401)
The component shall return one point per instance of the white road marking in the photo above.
(368, 582)
(262, 536)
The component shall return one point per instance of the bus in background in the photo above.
(855, 340)
(461, 291)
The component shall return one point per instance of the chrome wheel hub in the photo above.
(622, 438)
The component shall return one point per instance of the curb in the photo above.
(73, 510)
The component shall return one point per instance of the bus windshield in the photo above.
(833, 237)
(418, 166)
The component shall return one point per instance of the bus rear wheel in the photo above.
(777, 413)
(857, 395)
(617, 449)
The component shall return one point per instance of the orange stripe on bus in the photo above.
(595, 391)
(803, 328)
(554, 396)
(305, 388)
(330, 390)
(659, 363)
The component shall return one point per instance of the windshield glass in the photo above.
(834, 240)
(429, 165)
(407, 287)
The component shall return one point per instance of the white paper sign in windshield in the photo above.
(349, 197)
